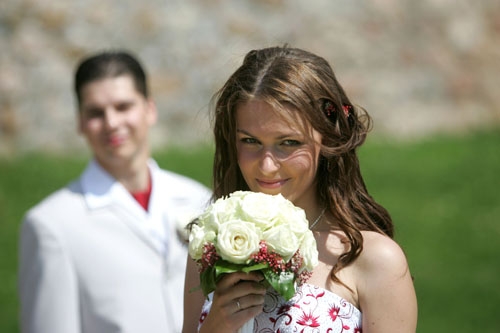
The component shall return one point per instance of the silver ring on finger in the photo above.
(238, 304)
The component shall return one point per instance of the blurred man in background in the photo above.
(103, 254)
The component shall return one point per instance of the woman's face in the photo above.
(277, 153)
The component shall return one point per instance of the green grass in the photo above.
(442, 194)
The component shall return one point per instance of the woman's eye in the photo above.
(249, 140)
(291, 143)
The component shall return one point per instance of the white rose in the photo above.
(309, 251)
(282, 240)
(261, 209)
(198, 237)
(294, 217)
(240, 195)
(225, 209)
(209, 219)
(237, 241)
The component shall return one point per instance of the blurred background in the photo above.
(427, 71)
(418, 66)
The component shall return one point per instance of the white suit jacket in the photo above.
(93, 260)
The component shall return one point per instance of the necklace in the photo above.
(317, 219)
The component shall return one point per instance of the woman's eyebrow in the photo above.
(242, 131)
(282, 136)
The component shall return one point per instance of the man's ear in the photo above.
(152, 112)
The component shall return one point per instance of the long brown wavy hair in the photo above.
(284, 77)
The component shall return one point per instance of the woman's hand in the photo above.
(238, 297)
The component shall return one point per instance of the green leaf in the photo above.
(223, 267)
(256, 267)
(283, 283)
(207, 280)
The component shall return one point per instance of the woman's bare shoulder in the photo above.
(384, 286)
(381, 254)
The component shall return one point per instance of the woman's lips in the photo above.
(271, 184)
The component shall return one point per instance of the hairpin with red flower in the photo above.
(331, 112)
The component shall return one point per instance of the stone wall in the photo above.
(418, 67)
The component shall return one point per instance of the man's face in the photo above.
(115, 119)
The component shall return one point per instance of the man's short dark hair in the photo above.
(110, 64)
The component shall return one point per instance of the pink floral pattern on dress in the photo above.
(311, 310)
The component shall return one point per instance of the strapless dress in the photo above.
(312, 309)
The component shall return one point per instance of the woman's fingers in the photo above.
(249, 301)
(239, 291)
(231, 279)
(236, 286)
(238, 297)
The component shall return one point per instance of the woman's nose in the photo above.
(269, 163)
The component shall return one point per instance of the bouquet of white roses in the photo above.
(251, 231)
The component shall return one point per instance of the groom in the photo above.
(102, 254)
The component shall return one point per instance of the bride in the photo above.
(283, 124)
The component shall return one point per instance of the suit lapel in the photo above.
(137, 224)
(101, 190)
